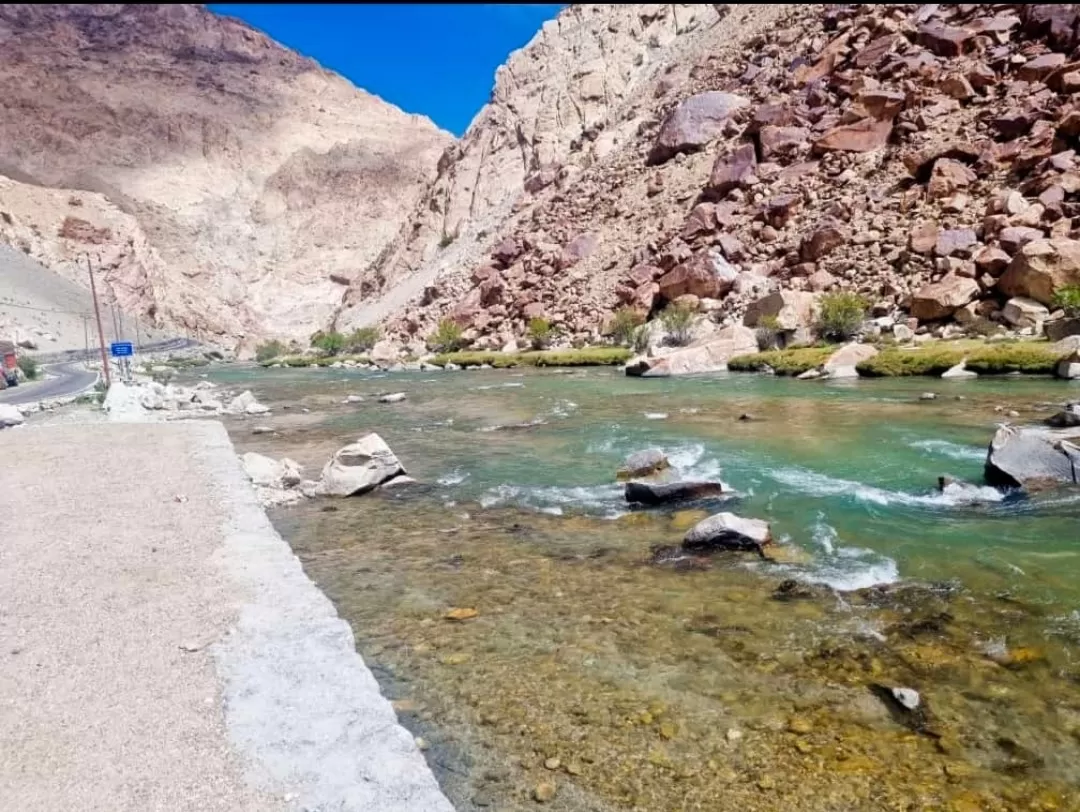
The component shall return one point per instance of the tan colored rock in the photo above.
(791, 309)
(711, 355)
(842, 363)
(863, 136)
(940, 300)
(1042, 267)
(1022, 312)
(948, 177)
(732, 170)
(707, 275)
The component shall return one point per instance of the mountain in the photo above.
(227, 186)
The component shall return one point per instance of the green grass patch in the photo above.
(1035, 358)
(792, 361)
(585, 357)
(999, 358)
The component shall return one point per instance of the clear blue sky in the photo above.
(437, 60)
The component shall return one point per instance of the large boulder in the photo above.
(792, 309)
(360, 467)
(1060, 329)
(694, 123)
(267, 472)
(9, 416)
(732, 170)
(1023, 312)
(1042, 267)
(843, 362)
(666, 493)
(1069, 366)
(1032, 458)
(707, 275)
(710, 355)
(726, 531)
(245, 403)
(644, 463)
(939, 300)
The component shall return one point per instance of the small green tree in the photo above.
(330, 343)
(841, 315)
(447, 337)
(269, 350)
(678, 321)
(29, 366)
(541, 333)
(1068, 299)
(624, 324)
(768, 333)
(362, 339)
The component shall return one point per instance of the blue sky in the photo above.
(437, 60)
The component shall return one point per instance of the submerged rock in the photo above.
(665, 493)
(1067, 418)
(1032, 458)
(726, 531)
(360, 467)
(395, 397)
(643, 463)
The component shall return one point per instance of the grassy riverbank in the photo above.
(585, 357)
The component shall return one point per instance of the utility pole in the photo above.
(86, 338)
(97, 315)
(120, 318)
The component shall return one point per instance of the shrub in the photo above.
(586, 356)
(1002, 358)
(541, 333)
(841, 315)
(269, 350)
(768, 333)
(29, 366)
(901, 363)
(363, 339)
(784, 362)
(447, 337)
(678, 321)
(330, 343)
(981, 327)
(640, 340)
(1068, 299)
(624, 325)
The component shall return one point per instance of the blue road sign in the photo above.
(121, 349)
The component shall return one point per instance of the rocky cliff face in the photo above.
(231, 187)
(921, 156)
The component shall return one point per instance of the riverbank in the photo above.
(163, 647)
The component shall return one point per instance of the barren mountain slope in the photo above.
(262, 183)
(910, 153)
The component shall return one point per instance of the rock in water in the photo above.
(665, 493)
(270, 473)
(726, 531)
(643, 463)
(396, 397)
(360, 467)
(1032, 458)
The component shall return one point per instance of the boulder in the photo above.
(707, 275)
(1069, 367)
(360, 467)
(694, 123)
(866, 135)
(385, 352)
(726, 531)
(959, 372)
(843, 362)
(394, 397)
(270, 473)
(732, 170)
(245, 403)
(9, 416)
(711, 355)
(643, 463)
(947, 178)
(1067, 418)
(1061, 329)
(939, 300)
(823, 240)
(1022, 312)
(792, 309)
(1041, 267)
(666, 493)
(1032, 458)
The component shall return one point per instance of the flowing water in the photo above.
(702, 684)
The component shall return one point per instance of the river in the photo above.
(621, 684)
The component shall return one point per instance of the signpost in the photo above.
(123, 351)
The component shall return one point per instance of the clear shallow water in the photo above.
(525, 524)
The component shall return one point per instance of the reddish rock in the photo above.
(981, 77)
(707, 275)
(781, 142)
(779, 210)
(483, 273)
(730, 247)
(1052, 198)
(771, 115)
(941, 299)
(533, 310)
(955, 241)
(578, 249)
(957, 87)
(643, 298)
(701, 220)
(1056, 22)
(945, 40)
(1070, 123)
(644, 274)
(507, 251)
(1014, 238)
(1040, 67)
(876, 50)
(1014, 122)
(862, 136)
(883, 105)
(1041, 268)
(947, 178)
(923, 237)
(992, 261)
(693, 123)
(820, 242)
(541, 179)
(732, 170)
(491, 292)
(921, 163)
(465, 312)
(820, 281)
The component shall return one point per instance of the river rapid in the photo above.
(603, 680)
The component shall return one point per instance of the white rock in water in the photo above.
(256, 408)
(396, 397)
(245, 403)
(354, 399)
(908, 697)
(359, 467)
(270, 473)
(9, 416)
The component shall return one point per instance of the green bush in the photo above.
(29, 366)
(678, 321)
(1068, 299)
(541, 333)
(330, 343)
(1001, 359)
(767, 333)
(841, 315)
(981, 328)
(1029, 358)
(640, 340)
(901, 363)
(309, 360)
(587, 356)
(362, 339)
(624, 325)
(792, 361)
(447, 337)
(269, 350)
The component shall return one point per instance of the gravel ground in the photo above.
(165, 654)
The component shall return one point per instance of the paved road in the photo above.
(172, 345)
(63, 380)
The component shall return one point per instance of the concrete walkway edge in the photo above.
(300, 704)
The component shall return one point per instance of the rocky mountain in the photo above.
(744, 159)
(225, 185)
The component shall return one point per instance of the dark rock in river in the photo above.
(665, 493)
(792, 590)
(677, 558)
(1032, 458)
(726, 531)
(1067, 418)
(643, 463)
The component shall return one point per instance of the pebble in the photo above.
(552, 763)
(928, 396)
(461, 613)
(908, 697)
(734, 734)
(544, 792)
(422, 744)
(799, 724)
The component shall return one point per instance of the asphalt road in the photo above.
(60, 380)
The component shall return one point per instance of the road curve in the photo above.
(61, 380)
